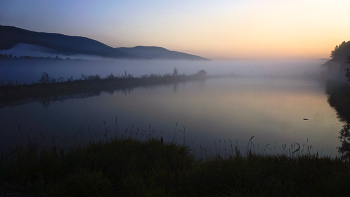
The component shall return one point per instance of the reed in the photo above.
(127, 165)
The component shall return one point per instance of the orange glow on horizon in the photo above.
(264, 30)
(249, 29)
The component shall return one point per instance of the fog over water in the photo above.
(227, 109)
(28, 71)
(271, 109)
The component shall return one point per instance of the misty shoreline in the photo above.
(49, 90)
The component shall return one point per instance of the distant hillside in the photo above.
(69, 45)
(158, 53)
(72, 45)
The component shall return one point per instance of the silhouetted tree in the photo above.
(175, 72)
(338, 97)
(91, 77)
(202, 73)
(344, 137)
(341, 52)
(45, 78)
(347, 75)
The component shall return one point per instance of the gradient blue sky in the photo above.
(222, 29)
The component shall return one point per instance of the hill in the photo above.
(72, 45)
(154, 52)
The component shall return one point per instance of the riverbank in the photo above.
(48, 89)
(130, 167)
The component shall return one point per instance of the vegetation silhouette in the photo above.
(339, 96)
(337, 67)
(28, 58)
(128, 166)
(49, 90)
(341, 52)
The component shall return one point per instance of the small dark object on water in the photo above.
(306, 119)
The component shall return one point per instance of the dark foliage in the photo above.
(130, 167)
(49, 89)
(339, 98)
(341, 52)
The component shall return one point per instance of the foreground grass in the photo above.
(130, 167)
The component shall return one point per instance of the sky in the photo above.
(221, 29)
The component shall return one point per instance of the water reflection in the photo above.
(338, 98)
(344, 137)
(47, 100)
(213, 113)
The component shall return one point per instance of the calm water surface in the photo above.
(207, 114)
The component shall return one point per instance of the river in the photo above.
(212, 116)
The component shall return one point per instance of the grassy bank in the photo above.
(130, 167)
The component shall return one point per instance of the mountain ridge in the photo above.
(73, 45)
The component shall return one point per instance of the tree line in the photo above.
(341, 52)
(11, 57)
